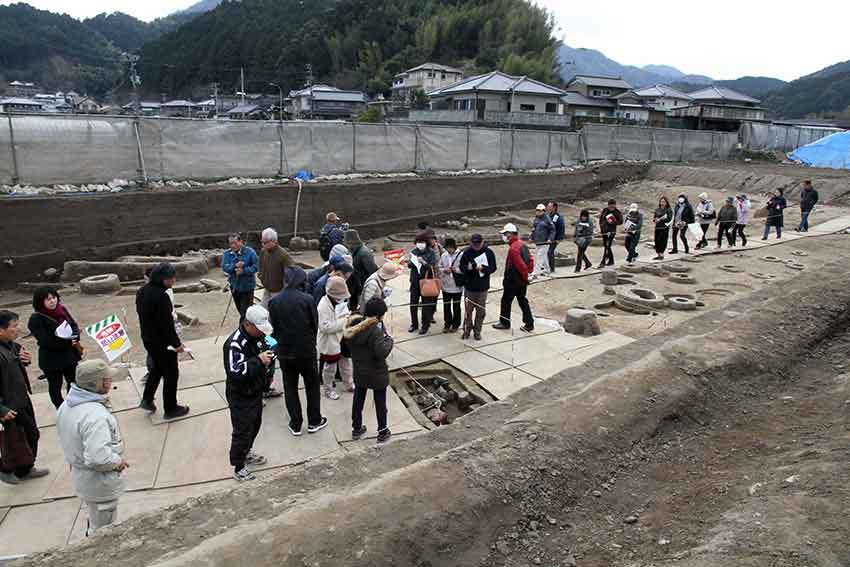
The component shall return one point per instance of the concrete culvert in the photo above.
(771, 259)
(101, 284)
(676, 268)
(682, 278)
(632, 268)
(682, 304)
(795, 265)
(732, 268)
(641, 297)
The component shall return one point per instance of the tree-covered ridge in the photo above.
(350, 43)
(816, 96)
(130, 34)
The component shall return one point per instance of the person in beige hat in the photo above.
(376, 284)
(333, 313)
(92, 443)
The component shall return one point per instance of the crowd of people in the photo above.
(324, 328)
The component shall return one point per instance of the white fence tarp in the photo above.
(385, 147)
(442, 148)
(7, 167)
(778, 137)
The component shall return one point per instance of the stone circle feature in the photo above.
(677, 303)
(775, 259)
(795, 265)
(677, 268)
(763, 276)
(682, 278)
(641, 297)
(100, 284)
(731, 268)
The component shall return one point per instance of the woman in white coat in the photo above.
(742, 203)
(333, 314)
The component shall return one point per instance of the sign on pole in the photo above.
(111, 336)
(396, 256)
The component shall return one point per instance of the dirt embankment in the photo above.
(754, 178)
(449, 497)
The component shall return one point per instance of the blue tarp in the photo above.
(832, 151)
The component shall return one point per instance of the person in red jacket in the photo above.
(518, 267)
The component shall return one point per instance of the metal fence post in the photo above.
(416, 143)
(468, 135)
(651, 143)
(354, 146)
(682, 149)
(582, 144)
(549, 151)
(284, 159)
(141, 172)
(511, 164)
(15, 172)
(799, 131)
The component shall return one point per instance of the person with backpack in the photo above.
(683, 215)
(726, 219)
(705, 214)
(423, 266)
(476, 264)
(363, 262)
(583, 237)
(452, 281)
(331, 234)
(518, 266)
(609, 219)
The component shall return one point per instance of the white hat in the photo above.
(541, 207)
(703, 196)
(510, 227)
(259, 317)
(633, 207)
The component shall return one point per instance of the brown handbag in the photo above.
(15, 450)
(429, 285)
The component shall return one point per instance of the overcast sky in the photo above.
(724, 39)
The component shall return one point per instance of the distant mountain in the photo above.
(201, 7)
(823, 94)
(577, 61)
(842, 67)
(756, 87)
(130, 34)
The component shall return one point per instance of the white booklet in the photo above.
(64, 331)
(481, 260)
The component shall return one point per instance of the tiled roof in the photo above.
(497, 81)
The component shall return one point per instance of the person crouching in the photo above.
(247, 358)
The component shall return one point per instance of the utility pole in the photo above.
(215, 98)
(309, 77)
(135, 81)
(242, 84)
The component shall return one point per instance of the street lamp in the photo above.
(280, 106)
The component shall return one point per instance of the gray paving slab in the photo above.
(201, 400)
(475, 363)
(505, 382)
(434, 347)
(548, 366)
(32, 491)
(195, 451)
(522, 351)
(38, 527)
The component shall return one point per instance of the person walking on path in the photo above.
(20, 431)
(240, 263)
(742, 204)
(632, 225)
(775, 214)
(476, 264)
(159, 335)
(609, 219)
(333, 313)
(376, 284)
(332, 233)
(247, 359)
(583, 237)
(370, 346)
(363, 263)
(726, 220)
(515, 281)
(92, 443)
(662, 219)
(273, 261)
(295, 322)
(683, 215)
(59, 350)
(560, 232)
(452, 281)
(808, 200)
(423, 264)
(542, 234)
(705, 214)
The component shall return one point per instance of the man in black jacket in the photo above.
(159, 336)
(363, 263)
(808, 200)
(476, 283)
(609, 219)
(247, 358)
(296, 322)
(16, 411)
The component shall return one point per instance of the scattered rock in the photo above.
(754, 488)
(581, 322)
(597, 494)
(570, 561)
(187, 318)
(792, 479)
(298, 243)
(609, 276)
(630, 520)
(464, 400)
(663, 541)
(210, 284)
(50, 274)
(437, 416)
(503, 548)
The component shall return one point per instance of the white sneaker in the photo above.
(255, 460)
(331, 393)
(243, 475)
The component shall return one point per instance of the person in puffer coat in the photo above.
(743, 205)
(726, 219)
(333, 312)
(92, 443)
(583, 238)
(370, 345)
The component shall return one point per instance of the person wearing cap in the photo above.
(295, 321)
(560, 231)
(376, 284)
(476, 264)
(247, 359)
(518, 266)
(705, 214)
(333, 313)
(92, 443)
(727, 217)
(742, 203)
(452, 280)
(338, 268)
(363, 263)
(159, 335)
(423, 263)
(808, 200)
(240, 263)
(331, 234)
(609, 219)
(632, 226)
(683, 215)
(273, 261)
(542, 234)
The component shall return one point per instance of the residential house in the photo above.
(576, 104)
(18, 104)
(145, 108)
(326, 102)
(427, 77)
(205, 108)
(87, 105)
(246, 112)
(662, 97)
(499, 92)
(598, 86)
(719, 108)
(21, 89)
(632, 109)
(177, 109)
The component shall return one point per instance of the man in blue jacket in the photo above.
(558, 220)
(240, 263)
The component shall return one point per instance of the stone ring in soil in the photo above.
(771, 259)
(678, 303)
(795, 265)
(675, 268)
(642, 298)
(682, 278)
(799, 253)
(100, 284)
(731, 268)
(762, 276)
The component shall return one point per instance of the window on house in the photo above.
(552, 107)
(443, 76)
(595, 92)
(628, 115)
(430, 74)
(527, 107)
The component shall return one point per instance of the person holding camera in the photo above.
(247, 357)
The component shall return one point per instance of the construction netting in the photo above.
(86, 149)
(779, 137)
